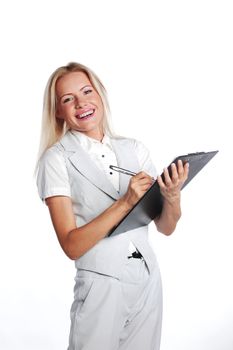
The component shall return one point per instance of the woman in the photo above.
(117, 295)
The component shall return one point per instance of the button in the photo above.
(110, 173)
(103, 155)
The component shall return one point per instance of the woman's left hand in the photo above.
(171, 186)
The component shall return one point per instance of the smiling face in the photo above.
(79, 104)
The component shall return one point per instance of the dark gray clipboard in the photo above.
(150, 205)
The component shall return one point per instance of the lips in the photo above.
(85, 115)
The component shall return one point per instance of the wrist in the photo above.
(172, 199)
(124, 205)
(172, 207)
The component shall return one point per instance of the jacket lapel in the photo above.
(84, 164)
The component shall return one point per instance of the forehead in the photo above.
(71, 82)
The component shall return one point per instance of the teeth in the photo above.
(85, 114)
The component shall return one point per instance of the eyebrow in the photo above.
(70, 93)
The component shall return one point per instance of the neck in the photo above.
(97, 135)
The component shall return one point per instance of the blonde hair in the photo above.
(52, 128)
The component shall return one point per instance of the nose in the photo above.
(79, 102)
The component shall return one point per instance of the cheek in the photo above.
(59, 110)
(58, 113)
(101, 107)
(63, 111)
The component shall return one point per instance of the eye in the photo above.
(67, 99)
(88, 91)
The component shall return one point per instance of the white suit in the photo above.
(117, 301)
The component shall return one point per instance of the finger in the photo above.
(142, 175)
(167, 178)
(180, 168)
(175, 176)
(186, 170)
(142, 182)
(160, 181)
(147, 181)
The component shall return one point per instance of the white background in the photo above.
(168, 68)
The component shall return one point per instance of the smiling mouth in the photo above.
(85, 115)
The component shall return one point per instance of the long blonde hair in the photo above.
(52, 128)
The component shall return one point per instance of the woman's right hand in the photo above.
(138, 185)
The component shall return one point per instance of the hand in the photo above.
(171, 186)
(138, 185)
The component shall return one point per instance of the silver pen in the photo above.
(121, 170)
(125, 171)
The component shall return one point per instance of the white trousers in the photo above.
(112, 314)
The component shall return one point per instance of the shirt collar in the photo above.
(88, 143)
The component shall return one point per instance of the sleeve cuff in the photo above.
(56, 191)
